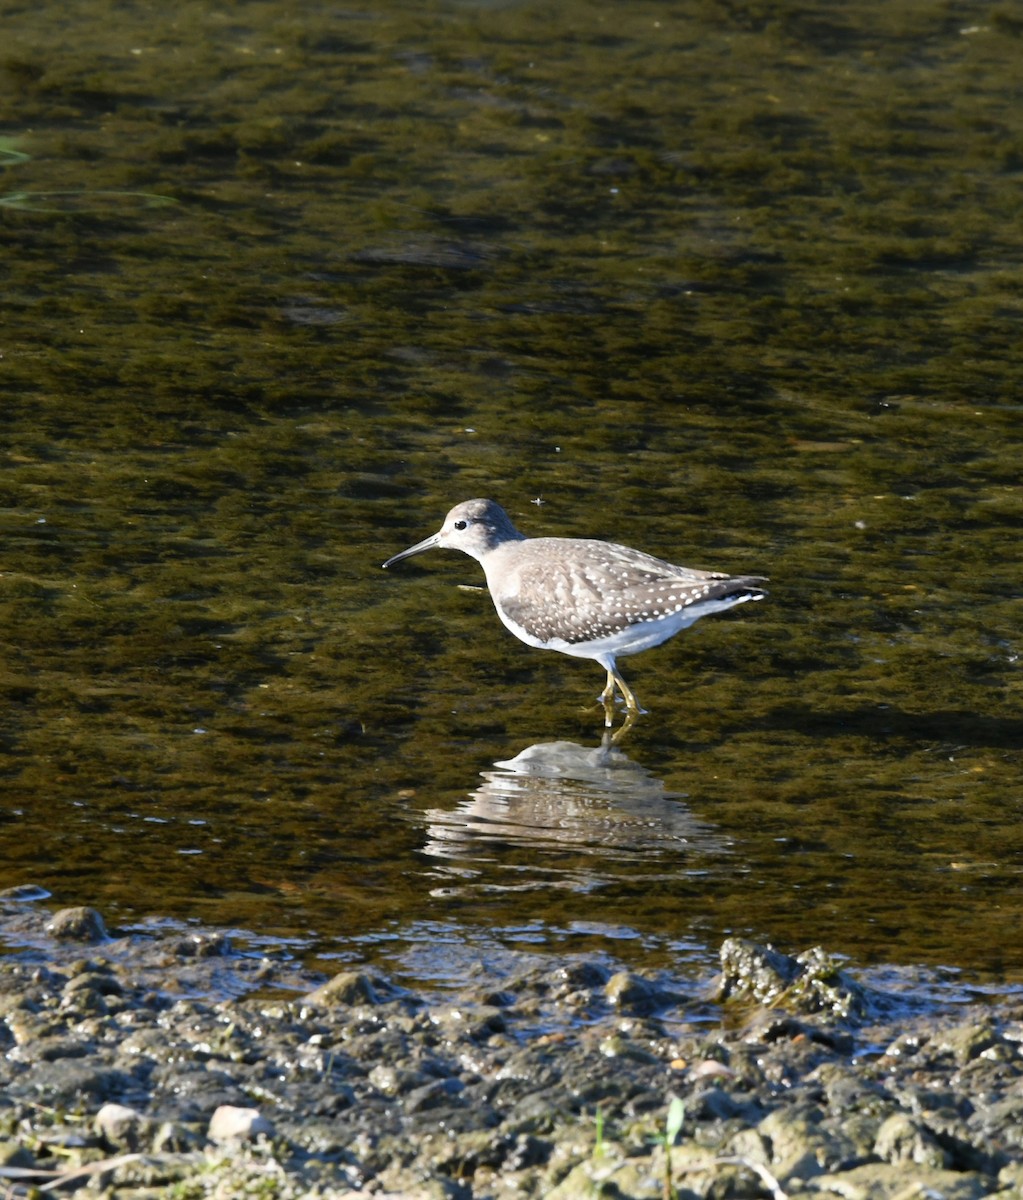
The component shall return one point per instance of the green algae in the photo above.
(737, 285)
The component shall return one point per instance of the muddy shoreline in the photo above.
(173, 1065)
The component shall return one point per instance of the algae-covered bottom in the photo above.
(170, 1065)
(733, 284)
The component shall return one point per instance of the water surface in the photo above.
(738, 286)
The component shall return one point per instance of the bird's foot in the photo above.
(613, 739)
(632, 711)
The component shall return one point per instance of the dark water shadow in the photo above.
(884, 722)
(564, 815)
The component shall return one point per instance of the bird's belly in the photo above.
(643, 635)
(631, 639)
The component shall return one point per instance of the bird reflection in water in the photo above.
(563, 815)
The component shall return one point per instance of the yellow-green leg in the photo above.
(631, 703)
(607, 697)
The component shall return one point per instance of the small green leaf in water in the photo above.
(673, 1121)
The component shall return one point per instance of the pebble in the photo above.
(77, 925)
(120, 1126)
(232, 1124)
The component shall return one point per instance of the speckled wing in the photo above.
(599, 589)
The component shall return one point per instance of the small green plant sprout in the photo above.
(599, 1147)
(673, 1121)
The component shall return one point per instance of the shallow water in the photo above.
(737, 286)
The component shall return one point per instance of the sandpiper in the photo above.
(583, 597)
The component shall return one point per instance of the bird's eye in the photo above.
(461, 524)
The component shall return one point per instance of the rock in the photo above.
(51, 1048)
(25, 893)
(392, 1081)
(713, 1104)
(204, 945)
(65, 1082)
(77, 925)
(885, 1181)
(752, 972)
(903, 1139)
(1011, 1176)
(350, 987)
(631, 993)
(966, 1042)
(585, 1180)
(471, 1021)
(84, 1002)
(98, 981)
(120, 1126)
(580, 975)
(87, 994)
(231, 1124)
(437, 1094)
(13, 1154)
(173, 1137)
(809, 983)
(527, 1151)
(802, 1148)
